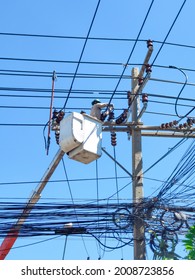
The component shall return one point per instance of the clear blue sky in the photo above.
(22, 119)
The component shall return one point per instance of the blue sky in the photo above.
(23, 113)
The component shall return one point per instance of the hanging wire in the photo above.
(185, 83)
(65, 244)
(34, 243)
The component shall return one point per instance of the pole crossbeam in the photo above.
(150, 130)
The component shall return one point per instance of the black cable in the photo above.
(98, 200)
(181, 8)
(185, 83)
(72, 199)
(131, 53)
(82, 52)
(168, 103)
(121, 95)
(44, 137)
(91, 38)
(183, 168)
(81, 108)
(59, 61)
(61, 181)
(177, 145)
(65, 244)
(47, 74)
(81, 75)
(48, 219)
(32, 244)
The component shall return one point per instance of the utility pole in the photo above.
(138, 232)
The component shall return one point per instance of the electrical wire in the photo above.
(120, 95)
(61, 181)
(65, 244)
(47, 74)
(184, 170)
(82, 52)
(131, 53)
(170, 29)
(91, 38)
(177, 145)
(72, 199)
(33, 243)
(186, 80)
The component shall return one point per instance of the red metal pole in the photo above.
(8, 242)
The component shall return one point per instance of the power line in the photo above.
(63, 74)
(181, 8)
(45, 74)
(120, 94)
(166, 154)
(92, 38)
(82, 108)
(106, 76)
(82, 52)
(62, 180)
(131, 53)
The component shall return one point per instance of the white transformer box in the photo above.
(81, 137)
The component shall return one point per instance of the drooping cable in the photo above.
(185, 83)
(34, 243)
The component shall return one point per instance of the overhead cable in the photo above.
(81, 55)
(131, 53)
(170, 29)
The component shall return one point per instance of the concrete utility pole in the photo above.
(139, 235)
